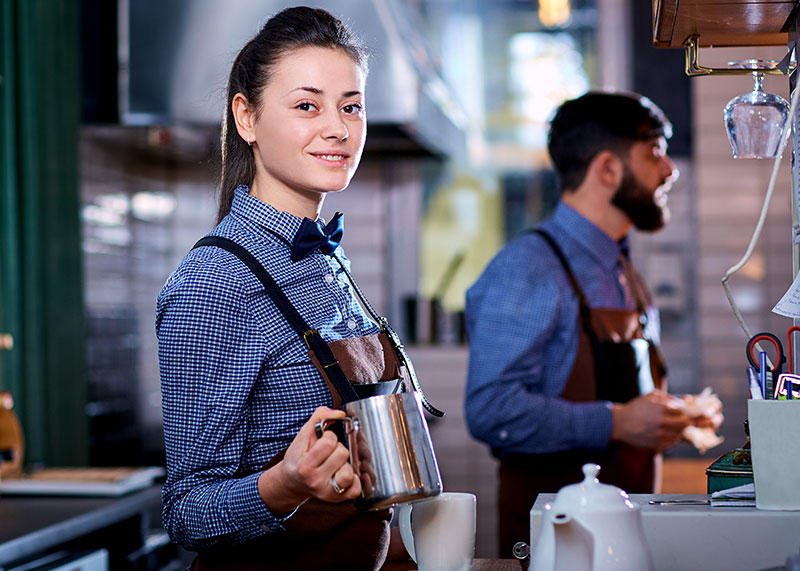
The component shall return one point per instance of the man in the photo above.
(564, 366)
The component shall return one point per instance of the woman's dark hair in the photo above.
(288, 30)
(595, 122)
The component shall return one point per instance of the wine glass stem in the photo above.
(758, 78)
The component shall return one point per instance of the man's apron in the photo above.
(320, 535)
(614, 362)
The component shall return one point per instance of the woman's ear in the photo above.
(244, 116)
(608, 169)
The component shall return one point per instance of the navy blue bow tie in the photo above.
(310, 237)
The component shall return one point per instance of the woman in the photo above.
(249, 484)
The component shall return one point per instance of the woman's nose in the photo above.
(335, 128)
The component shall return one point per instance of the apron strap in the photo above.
(636, 285)
(394, 341)
(312, 338)
(582, 301)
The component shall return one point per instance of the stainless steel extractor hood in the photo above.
(175, 56)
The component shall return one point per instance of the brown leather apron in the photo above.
(321, 535)
(614, 362)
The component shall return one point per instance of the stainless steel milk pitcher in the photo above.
(390, 449)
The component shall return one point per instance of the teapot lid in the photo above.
(590, 495)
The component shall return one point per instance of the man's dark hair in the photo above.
(595, 122)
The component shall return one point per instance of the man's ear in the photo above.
(607, 169)
(244, 116)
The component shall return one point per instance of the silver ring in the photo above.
(336, 487)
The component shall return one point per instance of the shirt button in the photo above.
(503, 434)
(328, 278)
(351, 324)
(265, 528)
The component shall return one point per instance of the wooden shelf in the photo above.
(720, 23)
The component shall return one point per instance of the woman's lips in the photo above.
(332, 159)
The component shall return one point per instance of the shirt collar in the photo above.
(266, 216)
(587, 235)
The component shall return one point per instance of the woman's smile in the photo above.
(332, 159)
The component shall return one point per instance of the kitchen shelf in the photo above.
(720, 23)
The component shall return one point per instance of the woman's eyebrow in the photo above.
(318, 91)
(314, 90)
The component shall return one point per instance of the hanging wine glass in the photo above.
(755, 121)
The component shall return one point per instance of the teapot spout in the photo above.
(574, 543)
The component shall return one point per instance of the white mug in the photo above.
(439, 532)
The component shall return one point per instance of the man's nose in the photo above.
(669, 170)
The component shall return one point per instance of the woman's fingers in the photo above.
(318, 461)
(346, 481)
(327, 460)
(307, 432)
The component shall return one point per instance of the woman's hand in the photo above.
(309, 468)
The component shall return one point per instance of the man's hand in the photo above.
(649, 421)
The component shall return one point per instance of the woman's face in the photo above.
(309, 131)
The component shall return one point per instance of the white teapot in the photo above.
(591, 526)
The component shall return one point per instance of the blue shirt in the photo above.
(522, 323)
(237, 382)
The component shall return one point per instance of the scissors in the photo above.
(780, 358)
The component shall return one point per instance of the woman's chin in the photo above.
(337, 185)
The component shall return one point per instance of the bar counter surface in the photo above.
(682, 537)
(679, 536)
(33, 525)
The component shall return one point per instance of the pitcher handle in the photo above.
(323, 425)
(350, 430)
(404, 523)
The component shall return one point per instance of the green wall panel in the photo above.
(9, 268)
(41, 261)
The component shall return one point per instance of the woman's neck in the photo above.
(298, 203)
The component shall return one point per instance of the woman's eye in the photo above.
(353, 109)
(306, 106)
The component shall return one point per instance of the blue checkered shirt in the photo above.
(522, 322)
(237, 382)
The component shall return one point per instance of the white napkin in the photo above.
(707, 405)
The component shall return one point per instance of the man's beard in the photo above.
(639, 203)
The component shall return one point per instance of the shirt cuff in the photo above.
(594, 420)
(247, 505)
